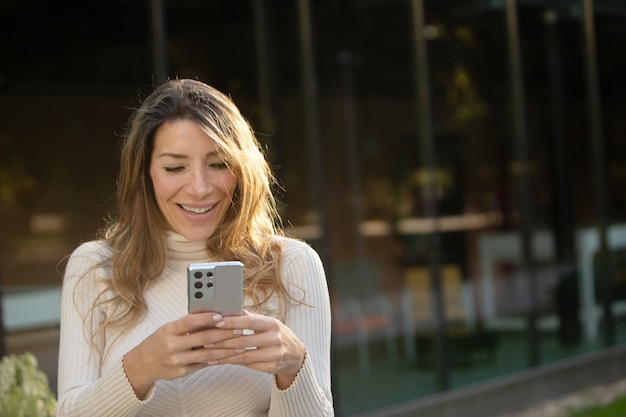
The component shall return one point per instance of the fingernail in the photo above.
(240, 350)
(218, 317)
(237, 332)
(220, 324)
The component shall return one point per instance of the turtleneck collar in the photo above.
(179, 249)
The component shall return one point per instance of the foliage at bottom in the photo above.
(24, 389)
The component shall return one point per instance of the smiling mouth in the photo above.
(196, 210)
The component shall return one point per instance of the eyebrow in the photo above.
(171, 155)
(181, 156)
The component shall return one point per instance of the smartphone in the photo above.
(215, 287)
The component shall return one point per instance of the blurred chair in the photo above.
(417, 303)
(362, 312)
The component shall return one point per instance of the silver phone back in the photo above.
(215, 287)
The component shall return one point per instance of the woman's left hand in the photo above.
(271, 347)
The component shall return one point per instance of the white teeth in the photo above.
(196, 210)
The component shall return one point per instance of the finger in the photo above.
(259, 360)
(209, 337)
(248, 341)
(212, 356)
(193, 322)
(223, 324)
(252, 321)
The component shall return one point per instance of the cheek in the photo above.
(229, 184)
(161, 187)
(156, 186)
(154, 181)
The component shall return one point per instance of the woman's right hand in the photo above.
(169, 352)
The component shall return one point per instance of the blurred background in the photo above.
(459, 165)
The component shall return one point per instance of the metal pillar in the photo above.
(523, 182)
(347, 61)
(316, 173)
(598, 165)
(311, 126)
(426, 147)
(563, 218)
(265, 82)
(159, 41)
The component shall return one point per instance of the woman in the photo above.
(193, 187)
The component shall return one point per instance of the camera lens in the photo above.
(197, 274)
(209, 274)
(209, 284)
(197, 285)
(198, 294)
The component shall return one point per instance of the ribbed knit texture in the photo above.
(93, 385)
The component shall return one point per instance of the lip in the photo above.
(197, 211)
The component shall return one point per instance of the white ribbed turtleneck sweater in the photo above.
(92, 385)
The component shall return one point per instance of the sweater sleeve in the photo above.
(310, 393)
(84, 390)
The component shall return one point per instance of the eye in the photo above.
(173, 169)
(218, 165)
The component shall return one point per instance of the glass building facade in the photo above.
(459, 165)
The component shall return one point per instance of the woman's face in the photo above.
(192, 184)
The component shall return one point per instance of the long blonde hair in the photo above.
(136, 236)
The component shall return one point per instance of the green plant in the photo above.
(616, 408)
(24, 390)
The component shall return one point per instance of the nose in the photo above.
(199, 184)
